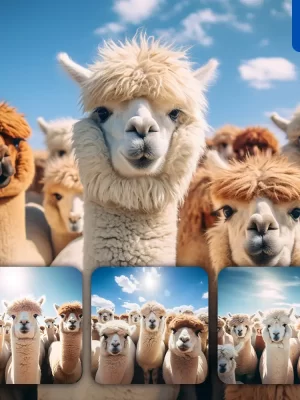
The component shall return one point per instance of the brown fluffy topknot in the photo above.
(186, 321)
(68, 308)
(12, 123)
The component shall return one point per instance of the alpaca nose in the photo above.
(261, 224)
(240, 331)
(184, 339)
(276, 335)
(115, 344)
(152, 321)
(141, 126)
(24, 322)
(73, 218)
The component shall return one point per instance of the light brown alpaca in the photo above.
(63, 201)
(223, 139)
(49, 332)
(7, 328)
(124, 317)
(4, 349)
(35, 191)
(64, 356)
(204, 332)
(94, 330)
(223, 336)
(16, 175)
(258, 197)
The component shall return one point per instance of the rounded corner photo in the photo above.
(147, 328)
(40, 325)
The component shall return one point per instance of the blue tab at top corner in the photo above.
(296, 25)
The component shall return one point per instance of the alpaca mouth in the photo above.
(74, 227)
(261, 258)
(152, 326)
(115, 351)
(72, 327)
(4, 181)
(24, 330)
(222, 370)
(141, 163)
(183, 348)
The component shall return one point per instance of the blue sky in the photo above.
(128, 288)
(247, 290)
(59, 285)
(259, 70)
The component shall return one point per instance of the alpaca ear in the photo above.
(56, 307)
(5, 304)
(280, 122)
(252, 316)
(43, 125)
(207, 73)
(214, 161)
(78, 73)
(260, 313)
(229, 315)
(291, 312)
(41, 300)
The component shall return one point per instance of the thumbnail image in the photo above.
(40, 325)
(149, 325)
(258, 325)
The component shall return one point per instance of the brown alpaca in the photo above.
(255, 140)
(95, 333)
(116, 316)
(35, 191)
(223, 139)
(124, 317)
(16, 175)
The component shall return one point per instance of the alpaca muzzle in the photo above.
(6, 168)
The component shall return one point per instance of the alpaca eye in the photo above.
(234, 326)
(144, 316)
(269, 326)
(35, 315)
(174, 114)
(103, 114)
(198, 332)
(13, 316)
(246, 326)
(62, 315)
(80, 315)
(126, 336)
(160, 317)
(61, 153)
(295, 214)
(284, 325)
(110, 315)
(227, 212)
(231, 358)
(57, 196)
(105, 336)
(224, 145)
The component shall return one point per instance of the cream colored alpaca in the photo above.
(58, 135)
(64, 356)
(258, 201)
(94, 330)
(117, 353)
(150, 350)
(63, 201)
(241, 331)
(134, 319)
(204, 331)
(23, 366)
(143, 155)
(4, 349)
(275, 364)
(292, 130)
(49, 334)
(223, 336)
(227, 355)
(7, 328)
(185, 363)
(167, 331)
(105, 314)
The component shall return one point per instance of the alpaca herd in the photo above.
(151, 340)
(261, 348)
(31, 353)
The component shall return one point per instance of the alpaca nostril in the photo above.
(141, 126)
(184, 339)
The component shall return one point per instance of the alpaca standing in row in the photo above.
(223, 336)
(134, 319)
(227, 355)
(4, 349)
(49, 336)
(105, 314)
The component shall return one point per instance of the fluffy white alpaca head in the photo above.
(24, 313)
(63, 195)
(276, 325)
(134, 318)
(258, 203)
(114, 337)
(226, 359)
(153, 317)
(185, 334)
(7, 328)
(145, 132)
(70, 317)
(105, 314)
(49, 322)
(58, 135)
(240, 325)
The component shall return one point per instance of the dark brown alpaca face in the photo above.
(7, 169)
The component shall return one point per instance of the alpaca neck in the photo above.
(50, 334)
(61, 240)
(13, 230)
(2, 336)
(228, 378)
(277, 357)
(146, 238)
(259, 343)
(70, 351)
(25, 360)
(221, 338)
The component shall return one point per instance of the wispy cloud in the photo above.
(135, 11)
(205, 295)
(271, 294)
(142, 299)
(288, 304)
(261, 73)
(100, 302)
(252, 3)
(128, 285)
(287, 6)
(264, 43)
(131, 306)
(110, 28)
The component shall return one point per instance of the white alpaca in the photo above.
(105, 314)
(150, 347)
(134, 319)
(58, 135)
(117, 354)
(241, 331)
(63, 201)
(275, 365)
(64, 356)
(185, 363)
(7, 328)
(136, 162)
(292, 130)
(4, 349)
(23, 366)
(227, 355)
(142, 209)
(49, 334)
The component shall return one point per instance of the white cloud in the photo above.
(250, 15)
(202, 310)
(101, 302)
(131, 306)
(286, 9)
(205, 295)
(288, 304)
(127, 285)
(287, 6)
(194, 26)
(110, 28)
(252, 3)
(136, 11)
(167, 293)
(262, 72)
(141, 299)
(264, 43)
(134, 280)
(271, 294)
(179, 309)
